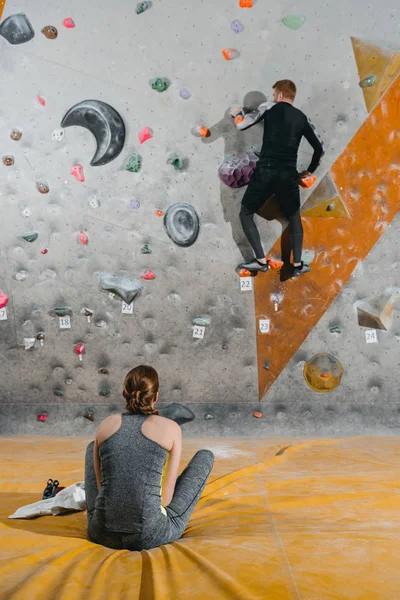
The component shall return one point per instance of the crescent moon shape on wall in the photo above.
(103, 121)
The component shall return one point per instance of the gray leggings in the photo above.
(161, 529)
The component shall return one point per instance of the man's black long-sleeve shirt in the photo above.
(284, 126)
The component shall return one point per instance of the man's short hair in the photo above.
(286, 87)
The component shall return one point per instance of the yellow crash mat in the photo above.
(279, 519)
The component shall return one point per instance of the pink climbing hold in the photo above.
(79, 349)
(145, 134)
(42, 416)
(148, 275)
(44, 251)
(69, 23)
(77, 171)
(41, 100)
(3, 299)
(83, 238)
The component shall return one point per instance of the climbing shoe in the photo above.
(303, 268)
(253, 265)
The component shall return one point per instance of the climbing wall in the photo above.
(119, 239)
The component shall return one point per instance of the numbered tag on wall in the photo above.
(198, 332)
(127, 309)
(246, 284)
(264, 325)
(65, 322)
(3, 314)
(370, 336)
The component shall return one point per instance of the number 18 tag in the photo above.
(198, 332)
(65, 322)
(246, 284)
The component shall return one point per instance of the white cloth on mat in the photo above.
(70, 499)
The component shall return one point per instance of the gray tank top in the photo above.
(132, 468)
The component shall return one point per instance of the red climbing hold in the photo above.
(148, 275)
(145, 134)
(44, 251)
(69, 23)
(79, 349)
(77, 171)
(41, 100)
(83, 238)
(42, 416)
(3, 299)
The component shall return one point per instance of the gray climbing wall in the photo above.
(111, 55)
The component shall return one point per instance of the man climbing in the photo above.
(276, 171)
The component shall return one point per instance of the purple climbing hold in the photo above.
(237, 171)
(236, 26)
(185, 94)
(134, 203)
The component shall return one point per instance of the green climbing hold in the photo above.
(145, 249)
(62, 311)
(208, 416)
(294, 21)
(58, 392)
(160, 84)
(176, 162)
(330, 207)
(105, 391)
(134, 163)
(368, 81)
(30, 237)
(141, 7)
(201, 321)
(336, 329)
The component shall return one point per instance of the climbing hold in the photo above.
(50, 32)
(29, 343)
(294, 21)
(236, 26)
(200, 131)
(307, 182)
(336, 329)
(145, 249)
(176, 162)
(41, 100)
(57, 135)
(126, 288)
(160, 84)
(201, 321)
(44, 251)
(148, 275)
(16, 29)
(40, 337)
(367, 81)
(257, 415)
(42, 187)
(142, 6)
(68, 381)
(42, 416)
(79, 349)
(69, 23)
(103, 121)
(101, 323)
(103, 371)
(93, 202)
(181, 224)
(8, 160)
(159, 212)
(30, 237)
(208, 416)
(229, 53)
(266, 365)
(330, 207)
(236, 172)
(83, 238)
(245, 3)
(87, 312)
(134, 203)
(104, 391)
(275, 298)
(134, 163)
(177, 412)
(185, 94)
(89, 415)
(21, 276)
(3, 299)
(61, 311)
(376, 312)
(16, 134)
(145, 134)
(323, 372)
(58, 392)
(77, 171)
(225, 347)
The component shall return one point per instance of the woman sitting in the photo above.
(133, 496)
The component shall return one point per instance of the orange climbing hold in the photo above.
(159, 213)
(274, 264)
(306, 182)
(257, 415)
(246, 3)
(228, 53)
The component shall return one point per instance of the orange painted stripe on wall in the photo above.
(367, 175)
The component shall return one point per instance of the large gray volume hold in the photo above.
(181, 224)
